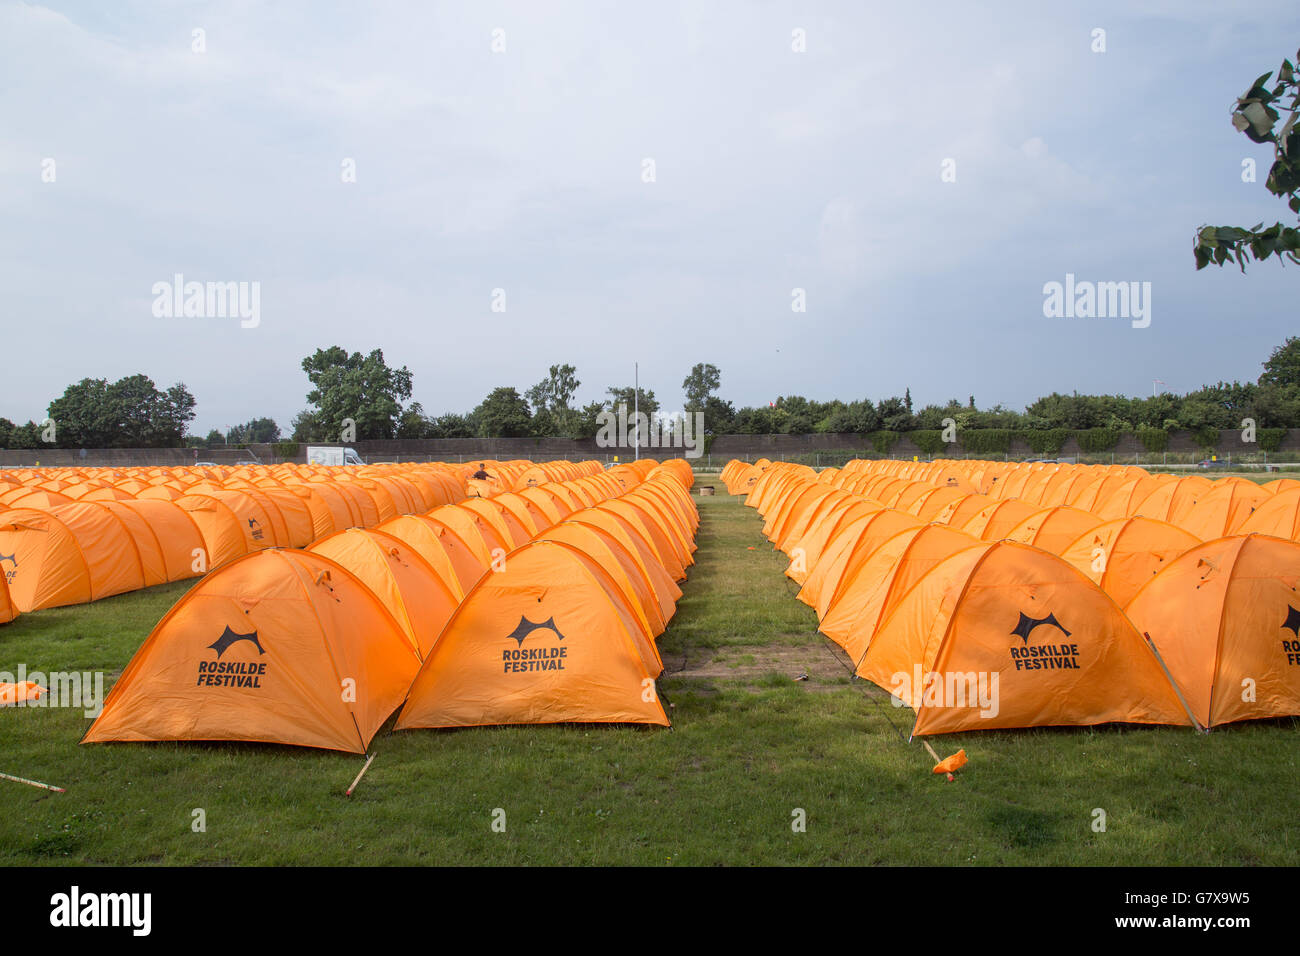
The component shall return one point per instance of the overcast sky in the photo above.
(524, 170)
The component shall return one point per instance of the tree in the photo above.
(451, 425)
(587, 420)
(413, 424)
(1256, 116)
(719, 416)
(307, 426)
(642, 400)
(25, 436)
(362, 389)
(1283, 365)
(503, 414)
(128, 413)
(794, 415)
(81, 415)
(700, 384)
(176, 412)
(895, 414)
(552, 399)
(754, 421)
(215, 438)
(257, 431)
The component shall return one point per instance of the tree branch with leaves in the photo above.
(1257, 115)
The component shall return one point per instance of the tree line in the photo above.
(357, 397)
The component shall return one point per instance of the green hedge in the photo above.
(883, 441)
(928, 440)
(286, 449)
(1270, 439)
(1153, 439)
(1094, 441)
(1207, 437)
(1045, 441)
(985, 441)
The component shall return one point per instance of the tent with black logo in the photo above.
(1007, 635)
(281, 646)
(1225, 617)
(551, 638)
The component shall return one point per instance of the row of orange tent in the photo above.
(540, 606)
(71, 536)
(919, 576)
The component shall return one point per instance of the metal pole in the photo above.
(636, 406)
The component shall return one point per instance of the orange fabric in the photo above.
(1224, 508)
(13, 694)
(73, 554)
(445, 551)
(850, 548)
(994, 522)
(404, 582)
(1279, 516)
(614, 558)
(1054, 528)
(807, 550)
(951, 764)
(1002, 611)
(872, 589)
(1124, 554)
(1225, 617)
(550, 639)
(200, 675)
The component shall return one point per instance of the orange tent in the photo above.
(444, 550)
(959, 511)
(510, 529)
(662, 542)
(1054, 528)
(994, 522)
(673, 525)
(1122, 501)
(1223, 509)
(936, 501)
(72, 554)
(1007, 635)
(638, 545)
(404, 582)
(526, 511)
(833, 504)
(8, 611)
(806, 550)
(232, 524)
(1279, 516)
(1281, 484)
(652, 608)
(166, 539)
(482, 537)
(1172, 500)
(1225, 617)
(555, 506)
(869, 592)
(551, 639)
(1124, 554)
(851, 546)
(279, 647)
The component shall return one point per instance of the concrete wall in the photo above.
(724, 447)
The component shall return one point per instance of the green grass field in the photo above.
(750, 746)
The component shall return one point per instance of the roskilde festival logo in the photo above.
(1037, 657)
(1292, 647)
(223, 673)
(523, 660)
(10, 572)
